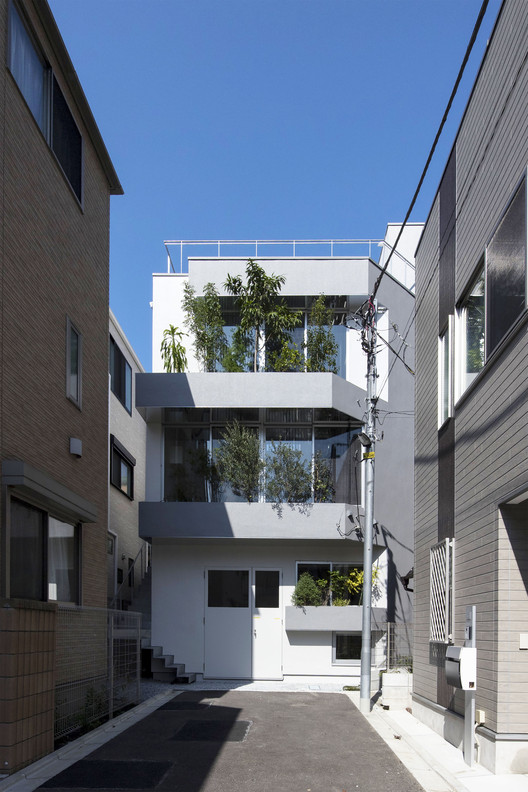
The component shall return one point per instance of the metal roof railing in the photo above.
(179, 251)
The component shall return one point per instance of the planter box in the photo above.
(330, 619)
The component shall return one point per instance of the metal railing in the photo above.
(129, 579)
(179, 251)
(98, 662)
(399, 649)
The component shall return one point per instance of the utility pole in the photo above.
(368, 440)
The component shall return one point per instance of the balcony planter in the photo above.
(323, 618)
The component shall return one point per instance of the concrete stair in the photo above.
(161, 666)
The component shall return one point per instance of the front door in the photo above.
(227, 624)
(267, 624)
(243, 624)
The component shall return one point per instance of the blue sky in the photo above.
(263, 119)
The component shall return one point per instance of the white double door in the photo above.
(243, 623)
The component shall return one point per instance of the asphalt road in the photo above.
(239, 741)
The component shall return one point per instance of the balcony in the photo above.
(328, 522)
(246, 390)
(329, 619)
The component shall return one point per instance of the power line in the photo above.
(437, 137)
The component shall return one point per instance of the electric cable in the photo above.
(437, 137)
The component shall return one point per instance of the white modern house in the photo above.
(223, 569)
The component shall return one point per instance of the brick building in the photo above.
(56, 179)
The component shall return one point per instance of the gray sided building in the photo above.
(471, 474)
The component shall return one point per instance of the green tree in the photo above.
(239, 462)
(321, 346)
(306, 592)
(203, 317)
(172, 350)
(288, 475)
(238, 354)
(263, 313)
(323, 480)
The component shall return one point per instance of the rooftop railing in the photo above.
(179, 251)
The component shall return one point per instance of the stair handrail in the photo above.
(126, 577)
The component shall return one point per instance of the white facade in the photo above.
(196, 543)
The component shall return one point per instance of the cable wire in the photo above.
(437, 137)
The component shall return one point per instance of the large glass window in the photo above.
(187, 463)
(506, 271)
(40, 89)
(330, 577)
(338, 473)
(329, 469)
(44, 555)
(120, 376)
(27, 68)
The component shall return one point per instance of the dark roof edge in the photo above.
(61, 53)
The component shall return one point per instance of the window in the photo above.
(441, 591)
(228, 588)
(40, 89)
(334, 575)
(122, 465)
(346, 648)
(471, 332)
(506, 271)
(26, 66)
(66, 140)
(73, 363)
(63, 572)
(120, 376)
(44, 555)
(496, 298)
(445, 384)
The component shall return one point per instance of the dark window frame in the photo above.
(76, 397)
(120, 376)
(57, 123)
(43, 572)
(119, 454)
(500, 318)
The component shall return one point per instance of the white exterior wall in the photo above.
(178, 582)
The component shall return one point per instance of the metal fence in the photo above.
(98, 665)
(399, 645)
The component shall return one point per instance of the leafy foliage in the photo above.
(172, 351)
(306, 592)
(321, 346)
(238, 354)
(238, 461)
(323, 480)
(288, 475)
(204, 320)
(263, 314)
